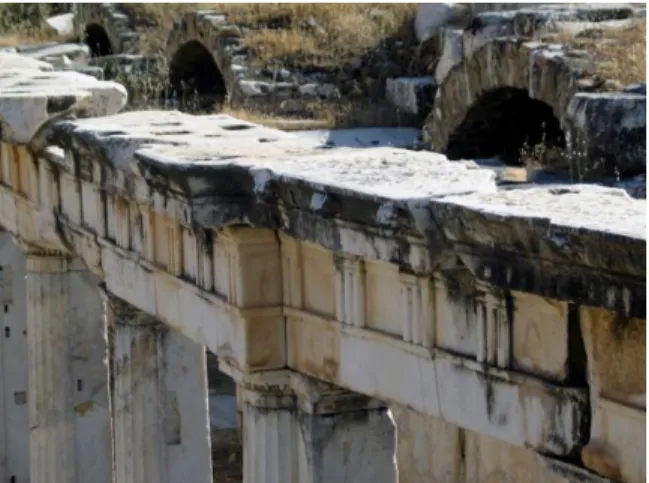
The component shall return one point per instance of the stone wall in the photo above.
(512, 54)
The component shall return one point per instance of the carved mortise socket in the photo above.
(291, 271)
(48, 187)
(205, 268)
(417, 306)
(28, 166)
(19, 170)
(9, 166)
(143, 233)
(318, 280)
(350, 290)
(118, 221)
(168, 243)
(122, 225)
(70, 197)
(4, 163)
(493, 331)
(92, 208)
(190, 254)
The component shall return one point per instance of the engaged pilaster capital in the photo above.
(291, 390)
(122, 313)
(44, 261)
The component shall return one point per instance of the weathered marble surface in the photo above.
(30, 98)
(608, 134)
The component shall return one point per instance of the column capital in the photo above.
(121, 312)
(45, 261)
(291, 390)
(34, 250)
(292, 421)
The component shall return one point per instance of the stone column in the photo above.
(69, 409)
(297, 430)
(160, 401)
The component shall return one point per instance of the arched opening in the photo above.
(195, 80)
(507, 123)
(97, 39)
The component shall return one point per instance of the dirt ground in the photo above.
(227, 458)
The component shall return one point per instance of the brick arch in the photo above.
(544, 74)
(102, 21)
(200, 45)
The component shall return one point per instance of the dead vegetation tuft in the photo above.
(620, 51)
(316, 33)
(21, 24)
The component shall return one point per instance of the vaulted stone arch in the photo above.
(199, 50)
(530, 82)
(98, 40)
(105, 29)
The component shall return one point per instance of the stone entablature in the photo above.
(393, 274)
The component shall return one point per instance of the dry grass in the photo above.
(622, 52)
(322, 35)
(283, 123)
(347, 113)
(318, 33)
(36, 36)
(624, 55)
(20, 24)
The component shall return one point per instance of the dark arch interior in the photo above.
(195, 80)
(98, 41)
(506, 122)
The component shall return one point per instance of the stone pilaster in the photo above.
(160, 401)
(297, 430)
(68, 396)
(14, 413)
